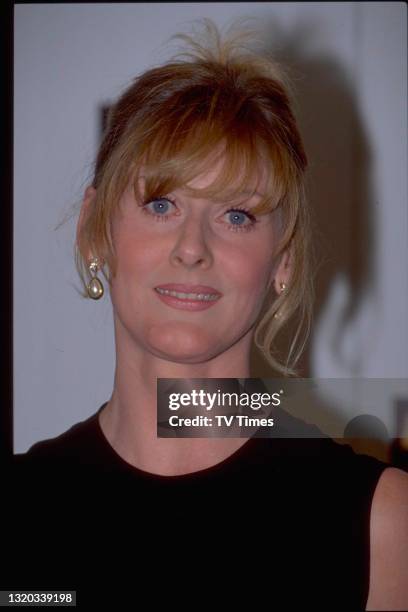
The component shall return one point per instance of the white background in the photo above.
(348, 61)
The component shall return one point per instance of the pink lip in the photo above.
(185, 304)
(190, 288)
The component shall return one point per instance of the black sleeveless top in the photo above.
(282, 522)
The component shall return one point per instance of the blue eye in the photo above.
(237, 217)
(158, 208)
(160, 205)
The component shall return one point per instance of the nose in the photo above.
(191, 248)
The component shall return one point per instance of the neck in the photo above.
(129, 420)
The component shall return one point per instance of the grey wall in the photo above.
(348, 61)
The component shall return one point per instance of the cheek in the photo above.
(136, 255)
(250, 270)
(136, 260)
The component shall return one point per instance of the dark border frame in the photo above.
(6, 243)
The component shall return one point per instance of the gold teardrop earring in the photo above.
(94, 287)
(282, 286)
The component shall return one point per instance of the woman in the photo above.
(197, 219)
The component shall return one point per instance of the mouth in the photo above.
(188, 297)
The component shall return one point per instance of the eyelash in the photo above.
(233, 228)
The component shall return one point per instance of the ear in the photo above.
(283, 270)
(89, 197)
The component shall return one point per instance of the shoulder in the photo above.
(71, 445)
(389, 542)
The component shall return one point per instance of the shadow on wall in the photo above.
(340, 196)
(338, 184)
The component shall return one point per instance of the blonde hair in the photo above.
(217, 100)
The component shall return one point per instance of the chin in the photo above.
(176, 343)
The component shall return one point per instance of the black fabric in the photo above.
(281, 522)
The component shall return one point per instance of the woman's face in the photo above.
(184, 240)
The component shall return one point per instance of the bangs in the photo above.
(180, 149)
